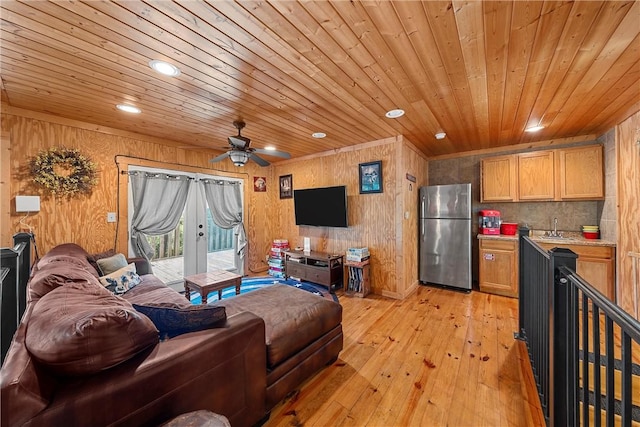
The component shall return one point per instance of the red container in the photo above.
(591, 235)
(508, 228)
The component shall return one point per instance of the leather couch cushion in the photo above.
(56, 274)
(70, 249)
(26, 387)
(81, 329)
(69, 252)
(293, 318)
(152, 290)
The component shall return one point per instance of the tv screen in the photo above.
(325, 206)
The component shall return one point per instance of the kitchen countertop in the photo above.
(573, 238)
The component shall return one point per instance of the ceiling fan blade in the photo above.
(273, 153)
(220, 157)
(258, 160)
(239, 141)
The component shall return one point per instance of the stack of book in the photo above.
(357, 254)
(276, 257)
(356, 280)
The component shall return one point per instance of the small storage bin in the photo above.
(508, 228)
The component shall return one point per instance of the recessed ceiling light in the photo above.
(440, 135)
(165, 68)
(128, 108)
(534, 128)
(318, 134)
(270, 148)
(394, 114)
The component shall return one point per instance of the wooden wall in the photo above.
(415, 165)
(82, 219)
(628, 172)
(375, 220)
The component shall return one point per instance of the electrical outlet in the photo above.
(111, 217)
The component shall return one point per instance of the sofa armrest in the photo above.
(143, 266)
(222, 370)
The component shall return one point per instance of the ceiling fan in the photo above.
(240, 152)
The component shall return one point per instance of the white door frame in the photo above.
(195, 215)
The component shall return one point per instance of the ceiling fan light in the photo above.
(239, 158)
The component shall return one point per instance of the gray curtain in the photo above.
(158, 203)
(225, 202)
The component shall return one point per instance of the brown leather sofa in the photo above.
(121, 373)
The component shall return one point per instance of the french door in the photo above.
(197, 244)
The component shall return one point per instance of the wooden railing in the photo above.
(580, 344)
(171, 245)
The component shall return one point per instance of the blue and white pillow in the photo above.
(120, 281)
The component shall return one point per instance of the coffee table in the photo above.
(215, 280)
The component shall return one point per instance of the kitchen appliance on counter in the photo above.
(445, 235)
(488, 221)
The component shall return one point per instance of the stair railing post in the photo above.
(522, 232)
(25, 268)
(561, 343)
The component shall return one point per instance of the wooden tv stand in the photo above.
(315, 267)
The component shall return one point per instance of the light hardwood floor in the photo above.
(437, 358)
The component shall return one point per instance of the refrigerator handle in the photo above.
(422, 217)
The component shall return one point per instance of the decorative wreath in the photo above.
(47, 165)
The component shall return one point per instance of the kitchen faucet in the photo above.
(554, 233)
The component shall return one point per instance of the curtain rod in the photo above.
(168, 165)
(156, 175)
(165, 175)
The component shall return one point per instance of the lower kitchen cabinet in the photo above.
(595, 264)
(499, 267)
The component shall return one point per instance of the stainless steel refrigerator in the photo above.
(445, 235)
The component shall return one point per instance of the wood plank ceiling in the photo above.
(479, 71)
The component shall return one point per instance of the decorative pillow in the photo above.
(79, 330)
(112, 263)
(171, 320)
(120, 281)
(93, 259)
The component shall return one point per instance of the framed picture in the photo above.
(260, 184)
(286, 187)
(371, 177)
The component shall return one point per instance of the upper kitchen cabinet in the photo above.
(547, 175)
(498, 176)
(581, 173)
(535, 176)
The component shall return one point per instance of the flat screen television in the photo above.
(321, 207)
